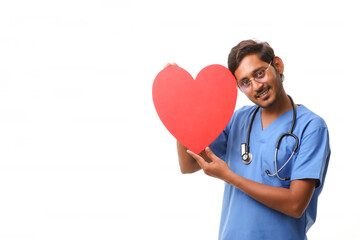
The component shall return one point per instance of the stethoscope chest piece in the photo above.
(245, 154)
(247, 158)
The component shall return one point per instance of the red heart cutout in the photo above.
(195, 112)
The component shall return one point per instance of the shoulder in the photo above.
(245, 111)
(309, 120)
(241, 116)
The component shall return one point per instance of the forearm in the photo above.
(187, 163)
(292, 201)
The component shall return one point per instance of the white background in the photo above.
(83, 154)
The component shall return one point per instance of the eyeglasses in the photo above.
(259, 76)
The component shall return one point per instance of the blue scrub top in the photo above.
(243, 217)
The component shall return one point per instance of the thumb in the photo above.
(210, 153)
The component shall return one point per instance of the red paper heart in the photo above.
(195, 112)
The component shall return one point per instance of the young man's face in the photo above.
(264, 93)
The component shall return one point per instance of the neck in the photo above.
(281, 105)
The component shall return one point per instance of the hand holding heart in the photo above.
(217, 168)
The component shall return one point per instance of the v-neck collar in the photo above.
(272, 126)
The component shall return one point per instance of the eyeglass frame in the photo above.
(253, 78)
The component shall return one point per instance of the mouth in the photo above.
(263, 93)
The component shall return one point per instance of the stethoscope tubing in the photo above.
(247, 156)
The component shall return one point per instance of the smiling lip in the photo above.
(263, 93)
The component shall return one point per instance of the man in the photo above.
(268, 197)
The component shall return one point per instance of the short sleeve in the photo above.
(313, 156)
(219, 146)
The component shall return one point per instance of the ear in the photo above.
(279, 65)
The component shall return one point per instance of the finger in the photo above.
(211, 154)
(198, 158)
(170, 64)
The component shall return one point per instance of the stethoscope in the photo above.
(247, 156)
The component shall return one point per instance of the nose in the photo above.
(256, 85)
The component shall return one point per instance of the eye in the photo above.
(260, 74)
(245, 82)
